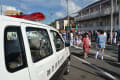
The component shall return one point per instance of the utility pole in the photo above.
(51, 15)
(119, 27)
(111, 19)
(68, 14)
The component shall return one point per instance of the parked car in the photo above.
(31, 51)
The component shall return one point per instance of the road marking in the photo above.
(106, 73)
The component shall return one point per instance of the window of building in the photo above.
(39, 42)
(101, 23)
(58, 42)
(14, 49)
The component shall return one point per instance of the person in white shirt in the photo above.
(71, 38)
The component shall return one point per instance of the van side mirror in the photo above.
(67, 44)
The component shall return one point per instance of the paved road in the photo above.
(92, 69)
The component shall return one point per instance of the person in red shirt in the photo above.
(86, 46)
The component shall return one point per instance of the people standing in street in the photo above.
(118, 44)
(97, 45)
(86, 46)
(76, 40)
(105, 34)
(101, 43)
(118, 51)
(64, 35)
(71, 38)
(96, 35)
(108, 37)
(114, 37)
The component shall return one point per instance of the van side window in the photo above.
(15, 57)
(58, 42)
(40, 45)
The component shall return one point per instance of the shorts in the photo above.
(102, 46)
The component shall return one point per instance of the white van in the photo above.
(31, 51)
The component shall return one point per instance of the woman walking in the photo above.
(101, 43)
(86, 46)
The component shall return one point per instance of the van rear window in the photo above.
(14, 49)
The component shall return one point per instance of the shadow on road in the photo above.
(77, 54)
(81, 55)
(113, 64)
(111, 72)
(106, 70)
(96, 74)
(83, 70)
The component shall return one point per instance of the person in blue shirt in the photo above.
(97, 46)
(101, 43)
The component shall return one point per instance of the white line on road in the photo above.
(106, 73)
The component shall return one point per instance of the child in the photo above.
(101, 42)
(86, 46)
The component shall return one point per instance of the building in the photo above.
(98, 16)
(13, 12)
(57, 24)
(63, 23)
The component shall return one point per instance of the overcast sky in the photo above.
(55, 7)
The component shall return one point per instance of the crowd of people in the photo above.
(83, 40)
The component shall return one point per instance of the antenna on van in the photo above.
(1, 7)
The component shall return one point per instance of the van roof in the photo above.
(23, 21)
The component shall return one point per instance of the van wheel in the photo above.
(67, 71)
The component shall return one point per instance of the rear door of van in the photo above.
(40, 52)
(14, 63)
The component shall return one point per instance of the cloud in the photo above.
(60, 14)
(24, 6)
(73, 7)
(91, 0)
(47, 3)
(5, 8)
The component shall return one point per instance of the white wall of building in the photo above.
(65, 23)
(57, 25)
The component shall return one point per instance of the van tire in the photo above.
(67, 71)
